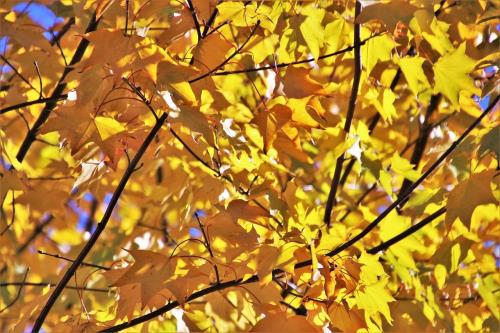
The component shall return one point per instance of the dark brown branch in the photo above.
(90, 218)
(298, 62)
(57, 93)
(29, 103)
(195, 19)
(412, 187)
(100, 226)
(45, 284)
(143, 98)
(174, 304)
(210, 21)
(331, 201)
(238, 50)
(411, 230)
(422, 139)
(83, 263)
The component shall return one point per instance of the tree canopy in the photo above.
(210, 165)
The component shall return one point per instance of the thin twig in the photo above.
(39, 79)
(126, 17)
(139, 93)
(7, 227)
(38, 230)
(211, 20)
(298, 62)
(65, 28)
(58, 256)
(25, 80)
(207, 245)
(11, 303)
(237, 51)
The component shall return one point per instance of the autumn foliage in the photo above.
(209, 165)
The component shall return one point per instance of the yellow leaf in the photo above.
(67, 236)
(388, 108)
(313, 32)
(486, 288)
(375, 50)
(440, 275)
(403, 167)
(451, 74)
(107, 127)
(374, 300)
(414, 74)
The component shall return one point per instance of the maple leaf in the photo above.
(468, 194)
(451, 74)
(389, 13)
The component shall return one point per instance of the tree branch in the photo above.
(210, 21)
(57, 93)
(45, 284)
(37, 101)
(421, 143)
(371, 128)
(411, 230)
(412, 187)
(83, 263)
(330, 202)
(100, 226)
(195, 19)
(65, 28)
(298, 62)
(174, 304)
